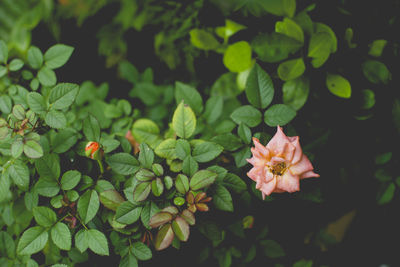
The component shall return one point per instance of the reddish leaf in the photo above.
(181, 228)
(164, 237)
(171, 209)
(159, 219)
(188, 216)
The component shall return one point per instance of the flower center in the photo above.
(278, 169)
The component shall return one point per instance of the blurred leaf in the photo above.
(376, 48)
(386, 195)
(272, 249)
(383, 158)
(290, 28)
(338, 85)
(319, 48)
(222, 199)
(57, 55)
(229, 141)
(248, 115)
(376, 72)
(368, 99)
(190, 96)
(291, 69)
(295, 92)
(214, 107)
(203, 39)
(237, 57)
(323, 28)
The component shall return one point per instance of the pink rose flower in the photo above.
(279, 166)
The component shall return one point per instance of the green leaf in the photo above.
(47, 188)
(376, 48)
(82, 240)
(241, 156)
(279, 114)
(141, 251)
(32, 240)
(44, 216)
(295, 92)
(184, 121)
(189, 166)
(234, 182)
(259, 88)
(157, 187)
(182, 149)
(3, 71)
(376, 72)
(141, 191)
(88, 205)
(319, 48)
(56, 119)
(147, 212)
(5, 104)
(274, 47)
(303, 263)
(272, 249)
(46, 76)
(248, 115)
(36, 102)
(128, 72)
(127, 213)
(97, 242)
(57, 55)
(202, 179)
(15, 64)
(19, 173)
(383, 158)
(323, 28)
(146, 156)
(63, 140)
(35, 57)
(91, 128)
(290, 28)
(229, 141)
(146, 131)
(33, 149)
(237, 57)
(164, 237)
(48, 166)
(387, 194)
(166, 149)
(7, 245)
(128, 261)
(182, 184)
(203, 39)
(230, 29)
(17, 147)
(244, 133)
(222, 199)
(70, 179)
(214, 108)
(19, 112)
(338, 85)
(181, 229)
(291, 69)
(111, 199)
(3, 52)
(206, 151)
(123, 163)
(190, 96)
(63, 95)
(61, 236)
(368, 99)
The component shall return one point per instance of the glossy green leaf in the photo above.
(147, 131)
(291, 69)
(123, 163)
(181, 229)
(184, 121)
(141, 191)
(63, 95)
(32, 240)
(237, 57)
(202, 179)
(206, 151)
(57, 55)
(111, 199)
(279, 114)
(70, 179)
(248, 115)
(182, 184)
(259, 88)
(127, 213)
(88, 205)
(44, 216)
(290, 28)
(141, 251)
(190, 96)
(61, 236)
(222, 199)
(166, 149)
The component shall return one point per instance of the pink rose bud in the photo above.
(94, 151)
(279, 166)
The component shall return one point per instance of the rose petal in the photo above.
(304, 165)
(280, 145)
(288, 182)
(262, 149)
(309, 174)
(268, 187)
(298, 152)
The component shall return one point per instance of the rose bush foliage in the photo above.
(84, 173)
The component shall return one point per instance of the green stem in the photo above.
(100, 166)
